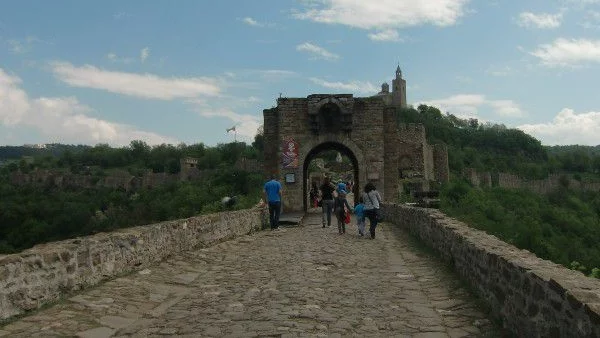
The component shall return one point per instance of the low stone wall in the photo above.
(531, 296)
(44, 273)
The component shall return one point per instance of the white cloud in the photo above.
(568, 53)
(567, 128)
(317, 52)
(21, 46)
(274, 74)
(506, 108)
(459, 104)
(468, 105)
(541, 20)
(140, 85)
(251, 22)
(144, 54)
(63, 119)
(115, 58)
(13, 101)
(384, 14)
(121, 15)
(463, 79)
(348, 87)
(385, 35)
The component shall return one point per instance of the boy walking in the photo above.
(359, 211)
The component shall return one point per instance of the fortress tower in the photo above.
(399, 90)
(397, 98)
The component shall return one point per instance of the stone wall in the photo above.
(511, 181)
(44, 273)
(440, 162)
(531, 296)
(478, 179)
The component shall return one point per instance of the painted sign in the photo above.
(289, 154)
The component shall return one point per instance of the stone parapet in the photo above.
(46, 272)
(531, 296)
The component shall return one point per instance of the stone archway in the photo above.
(366, 129)
(313, 149)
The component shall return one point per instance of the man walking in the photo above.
(273, 197)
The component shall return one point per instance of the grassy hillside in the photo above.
(563, 226)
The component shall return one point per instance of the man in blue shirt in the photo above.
(273, 197)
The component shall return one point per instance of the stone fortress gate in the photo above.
(365, 129)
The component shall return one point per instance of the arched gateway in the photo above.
(363, 128)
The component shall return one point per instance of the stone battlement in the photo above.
(531, 296)
(46, 272)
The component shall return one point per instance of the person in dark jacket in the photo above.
(340, 205)
(326, 192)
(372, 200)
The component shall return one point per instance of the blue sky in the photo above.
(83, 72)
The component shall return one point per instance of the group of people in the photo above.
(332, 199)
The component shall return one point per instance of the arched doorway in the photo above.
(314, 153)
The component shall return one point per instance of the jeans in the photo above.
(361, 225)
(274, 212)
(327, 206)
(372, 221)
(341, 220)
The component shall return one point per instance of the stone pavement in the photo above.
(298, 281)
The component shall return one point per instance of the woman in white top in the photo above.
(372, 201)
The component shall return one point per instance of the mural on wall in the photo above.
(289, 155)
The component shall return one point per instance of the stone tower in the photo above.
(399, 90)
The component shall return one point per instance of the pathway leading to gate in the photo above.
(299, 281)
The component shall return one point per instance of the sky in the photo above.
(90, 72)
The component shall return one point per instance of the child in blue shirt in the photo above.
(359, 211)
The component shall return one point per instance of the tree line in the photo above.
(496, 148)
(35, 214)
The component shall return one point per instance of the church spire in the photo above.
(398, 72)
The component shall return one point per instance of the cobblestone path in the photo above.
(300, 281)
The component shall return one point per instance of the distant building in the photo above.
(397, 98)
(35, 146)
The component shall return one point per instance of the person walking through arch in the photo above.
(341, 186)
(314, 195)
(340, 207)
(273, 193)
(372, 200)
(327, 189)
